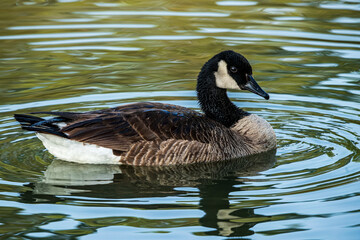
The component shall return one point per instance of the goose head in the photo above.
(229, 70)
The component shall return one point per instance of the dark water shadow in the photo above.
(215, 181)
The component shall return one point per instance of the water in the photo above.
(84, 55)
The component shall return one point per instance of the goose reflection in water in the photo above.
(215, 182)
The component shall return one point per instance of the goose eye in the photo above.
(233, 69)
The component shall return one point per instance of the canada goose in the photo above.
(163, 134)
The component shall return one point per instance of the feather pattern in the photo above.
(149, 133)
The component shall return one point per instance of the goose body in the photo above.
(163, 134)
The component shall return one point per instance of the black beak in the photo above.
(252, 86)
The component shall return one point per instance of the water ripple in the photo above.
(236, 3)
(293, 34)
(154, 13)
(107, 48)
(83, 40)
(81, 26)
(80, 55)
(55, 35)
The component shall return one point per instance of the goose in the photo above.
(151, 133)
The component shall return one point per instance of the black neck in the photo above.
(214, 101)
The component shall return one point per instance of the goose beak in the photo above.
(253, 87)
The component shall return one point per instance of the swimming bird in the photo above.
(163, 134)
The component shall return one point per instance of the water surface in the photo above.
(84, 55)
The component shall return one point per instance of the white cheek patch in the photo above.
(223, 79)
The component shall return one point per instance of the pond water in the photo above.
(79, 55)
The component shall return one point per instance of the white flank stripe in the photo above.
(73, 151)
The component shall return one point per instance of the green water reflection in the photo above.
(82, 55)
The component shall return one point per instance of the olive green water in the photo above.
(83, 55)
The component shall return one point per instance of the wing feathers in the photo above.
(121, 127)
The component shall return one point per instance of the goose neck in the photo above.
(216, 104)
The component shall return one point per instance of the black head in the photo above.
(233, 71)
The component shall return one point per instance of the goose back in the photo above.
(152, 134)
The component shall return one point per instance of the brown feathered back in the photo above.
(152, 134)
(135, 130)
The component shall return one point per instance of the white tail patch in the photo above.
(73, 151)
(223, 78)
